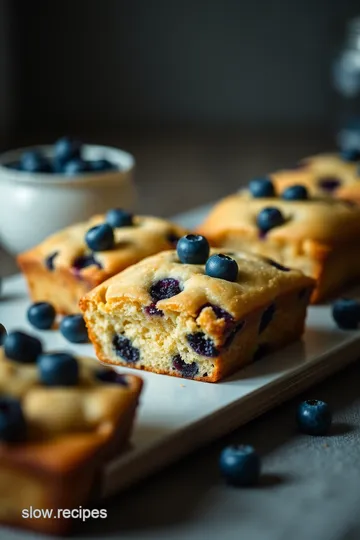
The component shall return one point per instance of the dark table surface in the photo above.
(310, 489)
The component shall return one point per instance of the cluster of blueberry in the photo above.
(101, 237)
(240, 465)
(67, 160)
(54, 369)
(42, 316)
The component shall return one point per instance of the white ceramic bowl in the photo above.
(34, 205)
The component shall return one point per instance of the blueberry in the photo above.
(3, 334)
(73, 329)
(12, 420)
(295, 193)
(67, 149)
(58, 369)
(269, 218)
(41, 315)
(350, 154)
(83, 261)
(314, 417)
(111, 376)
(100, 165)
(329, 183)
(125, 349)
(193, 249)
(222, 267)
(261, 187)
(100, 238)
(21, 347)
(75, 166)
(165, 288)
(152, 310)
(202, 345)
(346, 313)
(187, 370)
(117, 217)
(49, 261)
(240, 465)
(34, 162)
(267, 317)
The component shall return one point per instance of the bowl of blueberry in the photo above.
(48, 187)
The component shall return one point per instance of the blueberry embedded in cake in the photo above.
(196, 313)
(61, 418)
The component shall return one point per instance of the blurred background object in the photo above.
(206, 94)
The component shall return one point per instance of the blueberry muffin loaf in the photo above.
(192, 315)
(317, 236)
(71, 262)
(324, 175)
(61, 418)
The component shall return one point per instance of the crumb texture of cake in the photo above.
(53, 458)
(172, 318)
(63, 268)
(317, 236)
(323, 175)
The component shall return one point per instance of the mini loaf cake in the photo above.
(193, 316)
(71, 262)
(317, 236)
(61, 418)
(324, 175)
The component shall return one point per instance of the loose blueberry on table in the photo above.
(3, 334)
(12, 420)
(58, 369)
(295, 193)
(41, 315)
(222, 267)
(346, 313)
(240, 465)
(268, 218)
(117, 217)
(314, 417)
(21, 347)
(193, 249)
(73, 328)
(100, 237)
(261, 188)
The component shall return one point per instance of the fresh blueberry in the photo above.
(58, 369)
(222, 266)
(83, 261)
(34, 162)
(100, 237)
(295, 193)
(350, 154)
(41, 315)
(187, 370)
(314, 417)
(329, 183)
(12, 420)
(240, 465)
(269, 218)
(100, 165)
(67, 149)
(193, 249)
(261, 188)
(165, 288)
(346, 313)
(278, 265)
(73, 329)
(117, 217)
(266, 318)
(152, 310)
(202, 345)
(3, 334)
(21, 347)
(124, 348)
(49, 261)
(75, 166)
(111, 376)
